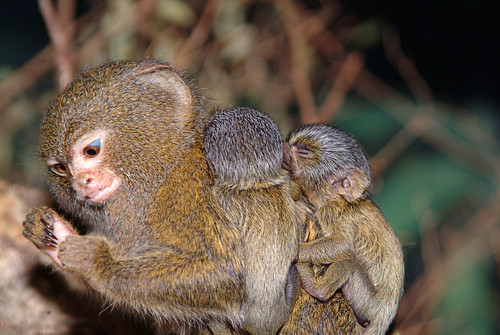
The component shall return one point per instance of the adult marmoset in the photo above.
(124, 151)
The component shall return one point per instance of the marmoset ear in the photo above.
(352, 186)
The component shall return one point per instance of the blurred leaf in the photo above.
(367, 34)
(17, 115)
(477, 128)
(467, 303)
(418, 183)
(165, 46)
(229, 17)
(123, 43)
(238, 44)
(177, 12)
(371, 126)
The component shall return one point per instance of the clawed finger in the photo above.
(49, 241)
(48, 231)
(47, 221)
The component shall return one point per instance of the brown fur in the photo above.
(311, 316)
(360, 249)
(161, 245)
(245, 149)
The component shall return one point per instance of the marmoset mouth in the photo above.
(103, 194)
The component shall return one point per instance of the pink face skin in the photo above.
(88, 176)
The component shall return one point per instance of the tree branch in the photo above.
(60, 26)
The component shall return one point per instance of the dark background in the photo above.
(455, 44)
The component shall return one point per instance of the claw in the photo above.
(46, 222)
(49, 242)
(49, 232)
(48, 214)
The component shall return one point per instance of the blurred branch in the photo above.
(463, 247)
(434, 133)
(378, 92)
(39, 65)
(25, 77)
(299, 29)
(429, 129)
(398, 144)
(349, 71)
(406, 67)
(61, 29)
(299, 60)
(95, 43)
(199, 35)
(316, 28)
(424, 125)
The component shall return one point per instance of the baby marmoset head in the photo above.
(245, 148)
(329, 161)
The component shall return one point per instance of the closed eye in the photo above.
(302, 151)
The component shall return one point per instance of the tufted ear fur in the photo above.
(351, 187)
(164, 76)
(166, 79)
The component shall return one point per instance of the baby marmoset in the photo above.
(362, 253)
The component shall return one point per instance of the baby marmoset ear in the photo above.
(352, 186)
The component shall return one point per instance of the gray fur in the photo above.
(233, 142)
(245, 149)
(337, 150)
